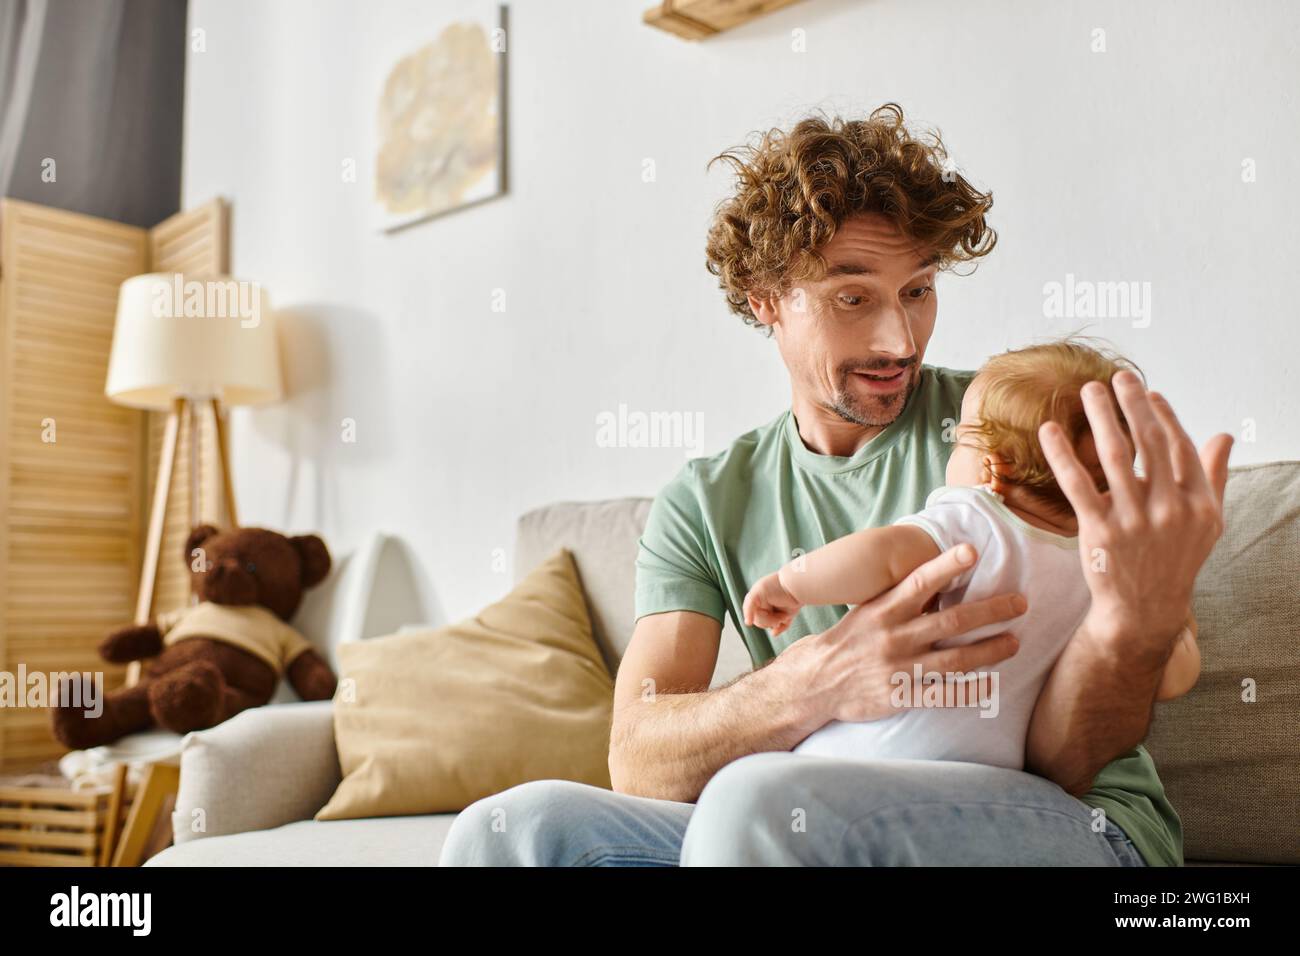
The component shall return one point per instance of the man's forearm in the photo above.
(668, 746)
(1095, 706)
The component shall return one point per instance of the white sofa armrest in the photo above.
(263, 768)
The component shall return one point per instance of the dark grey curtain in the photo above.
(97, 87)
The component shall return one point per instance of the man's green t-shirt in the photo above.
(726, 521)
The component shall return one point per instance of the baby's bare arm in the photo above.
(858, 567)
(1183, 667)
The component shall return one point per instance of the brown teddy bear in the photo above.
(206, 662)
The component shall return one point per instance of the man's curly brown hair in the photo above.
(795, 189)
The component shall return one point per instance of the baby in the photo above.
(1001, 498)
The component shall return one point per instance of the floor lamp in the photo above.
(181, 345)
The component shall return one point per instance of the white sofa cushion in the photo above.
(262, 768)
(386, 841)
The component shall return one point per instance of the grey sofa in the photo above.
(1231, 765)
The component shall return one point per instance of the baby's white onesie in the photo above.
(1013, 557)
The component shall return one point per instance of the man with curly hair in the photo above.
(830, 244)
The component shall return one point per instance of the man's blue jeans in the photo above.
(774, 809)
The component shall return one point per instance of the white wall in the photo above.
(1115, 166)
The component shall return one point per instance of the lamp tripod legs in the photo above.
(158, 513)
(223, 457)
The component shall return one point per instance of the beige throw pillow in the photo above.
(429, 722)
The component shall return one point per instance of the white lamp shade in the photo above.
(193, 337)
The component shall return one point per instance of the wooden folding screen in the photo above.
(74, 467)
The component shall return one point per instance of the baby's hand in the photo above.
(768, 604)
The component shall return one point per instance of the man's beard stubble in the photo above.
(871, 411)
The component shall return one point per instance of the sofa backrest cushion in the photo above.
(1229, 751)
(602, 537)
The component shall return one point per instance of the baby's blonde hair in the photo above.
(1026, 387)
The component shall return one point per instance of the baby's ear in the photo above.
(315, 558)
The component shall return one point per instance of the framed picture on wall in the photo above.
(440, 117)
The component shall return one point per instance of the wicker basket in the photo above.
(52, 825)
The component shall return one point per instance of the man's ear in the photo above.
(315, 558)
(764, 309)
(198, 535)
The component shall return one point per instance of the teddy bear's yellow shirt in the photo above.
(252, 628)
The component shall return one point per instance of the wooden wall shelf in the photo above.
(700, 19)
